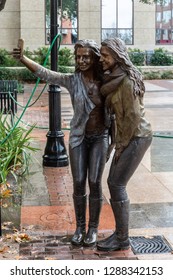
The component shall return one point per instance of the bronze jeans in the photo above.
(122, 170)
(88, 161)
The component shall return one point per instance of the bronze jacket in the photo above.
(129, 112)
(82, 104)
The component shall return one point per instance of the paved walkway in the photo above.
(47, 213)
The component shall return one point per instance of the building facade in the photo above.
(141, 26)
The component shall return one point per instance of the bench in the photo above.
(8, 96)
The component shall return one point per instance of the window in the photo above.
(164, 23)
(117, 20)
(66, 18)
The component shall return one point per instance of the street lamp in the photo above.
(55, 151)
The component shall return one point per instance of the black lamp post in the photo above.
(55, 151)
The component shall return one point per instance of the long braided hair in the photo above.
(119, 53)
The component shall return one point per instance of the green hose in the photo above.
(39, 127)
(11, 96)
(162, 136)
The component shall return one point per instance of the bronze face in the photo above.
(84, 59)
(107, 60)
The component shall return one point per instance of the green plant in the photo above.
(3, 57)
(66, 69)
(7, 60)
(40, 55)
(24, 75)
(160, 57)
(167, 75)
(15, 150)
(20, 87)
(21, 74)
(161, 2)
(65, 57)
(152, 75)
(28, 53)
(136, 56)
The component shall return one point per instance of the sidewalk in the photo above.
(47, 214)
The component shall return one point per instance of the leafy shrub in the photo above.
(160, 57)
(6, 60)
(28, 53)
(152, 75)
(40, 55)
(24, 75)
(14, 150)
(65, 57)
(20, 74)
(65, 69)
(136, 56)
(3, 57)
(167, 75)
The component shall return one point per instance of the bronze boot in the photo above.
(119, 240)
(80, 212)
(94, 214)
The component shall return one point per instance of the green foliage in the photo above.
(15, 150)
(65, 57)
(136, 56)
(21, 74)
(66, 62)
(71, 7)
(26, 75)
(156, 75)
(66, 69)
(160, 57)
(40, 55)
(7, 60)
(161, 2)
(7, 74)
(3, 57)
(67, 5)
(28, 53)
(152, 75)
(167, 75)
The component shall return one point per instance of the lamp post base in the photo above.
(55, 151)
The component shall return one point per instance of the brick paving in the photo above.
(59, 248)
(61, 178)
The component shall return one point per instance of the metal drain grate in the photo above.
(149, 245)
